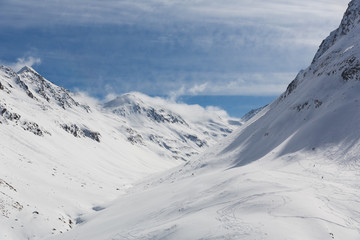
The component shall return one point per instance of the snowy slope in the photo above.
(61, 158)
(290, 172)
(251, 114)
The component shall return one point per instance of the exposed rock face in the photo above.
(129, 104)
(292, 86)
(6, 116)
(338, 55)
(350, 20)
(162, 116)
(33, 127)
(47, 90)
(92, 134)
(195, 139)
(73, 129)
(352, 72)
(77, 131)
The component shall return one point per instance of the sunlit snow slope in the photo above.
(61, 158)
(291, 172)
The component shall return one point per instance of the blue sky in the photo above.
(213, 52)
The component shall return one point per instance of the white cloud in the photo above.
(228, 27)
(183, 90)
(175, 94)
(85, 97)
(197, 113)
(128, 11)
(109, 97)
(197, 89)
(297, 22)
(194, 112)
(253, 84)
(25, 61)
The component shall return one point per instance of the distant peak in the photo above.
(26, 69)
(127, 98)
(131, 97)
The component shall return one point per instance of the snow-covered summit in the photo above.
(47, 90)
(349, 23)
(128, 98)
(140, 104)
(27, 69)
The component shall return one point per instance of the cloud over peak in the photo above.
(24, 61)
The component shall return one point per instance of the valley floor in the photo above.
(299, 196)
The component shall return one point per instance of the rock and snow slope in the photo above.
(182, 130)
(291, 172)
(61, 158)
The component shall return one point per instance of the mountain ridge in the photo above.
(350, 18)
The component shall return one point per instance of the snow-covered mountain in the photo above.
(290, 172)
(63, 154)
(181, 130)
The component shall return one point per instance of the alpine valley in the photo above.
(61, 158)
(291, 171)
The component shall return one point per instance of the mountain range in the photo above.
(290, 171)
(62, 152)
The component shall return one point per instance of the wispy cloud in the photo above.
(175, 94)
(171, 47)
(198, 89)
(24, 61)
(273, 22)
(114, 11)
(254, 84)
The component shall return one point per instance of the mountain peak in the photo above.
(351, 17)
(48, 90)
(127, 98)
(350, 21)
(27, 69)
